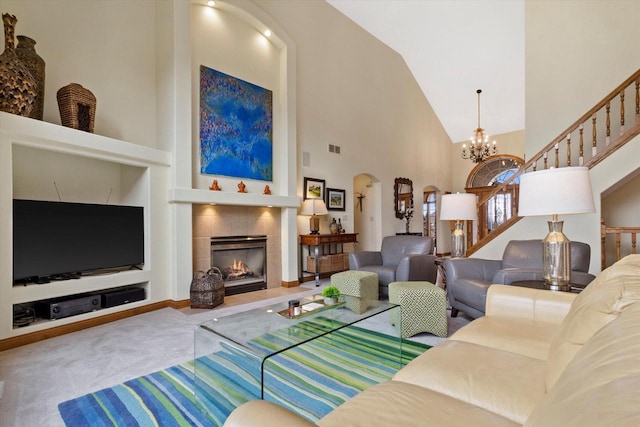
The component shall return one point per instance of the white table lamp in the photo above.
(458, 207)
(556, 192)
(314, 207)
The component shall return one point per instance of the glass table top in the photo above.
(242, 328)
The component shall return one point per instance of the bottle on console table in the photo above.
(333, 227)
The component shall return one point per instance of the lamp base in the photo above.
(556, 258)
(314, 224)
(458, 242)
(552, 287)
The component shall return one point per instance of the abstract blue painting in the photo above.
(236, 127)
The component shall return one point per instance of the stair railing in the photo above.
(618, 232)
(606, 136)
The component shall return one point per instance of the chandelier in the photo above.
(479, 147)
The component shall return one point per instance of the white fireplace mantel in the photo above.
(195, 196)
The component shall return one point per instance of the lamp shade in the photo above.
(458, 207)
(313, 207)
(558, 191)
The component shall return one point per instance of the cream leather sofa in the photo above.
(536, 359)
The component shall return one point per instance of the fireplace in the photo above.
(242, 260)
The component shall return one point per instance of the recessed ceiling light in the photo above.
(211, 3)
(267, 33)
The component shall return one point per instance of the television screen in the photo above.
(53, 239)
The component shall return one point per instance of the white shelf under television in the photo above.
(45, 161)
(55, 289)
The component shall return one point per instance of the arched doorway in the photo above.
(430, 200)
(367, 212)
(483, 179)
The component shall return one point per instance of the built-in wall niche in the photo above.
(49, 175)
(87, 168)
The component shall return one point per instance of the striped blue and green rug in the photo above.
(311, 379)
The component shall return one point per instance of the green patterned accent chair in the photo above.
(360, 284)
(423, 308)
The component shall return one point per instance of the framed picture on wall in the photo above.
(313, 188)
(335, 199)
(236, 127)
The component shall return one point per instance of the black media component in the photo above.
(122, 296)
(58, 240)
(23, 315)
(68, 306)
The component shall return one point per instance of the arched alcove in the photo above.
(367, 211)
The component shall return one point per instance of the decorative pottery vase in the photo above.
(18, 87)
(26, 52)
(333, 227)
(330, 301)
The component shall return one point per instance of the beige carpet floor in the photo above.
(35, 378)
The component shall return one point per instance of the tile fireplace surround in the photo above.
(217, 221)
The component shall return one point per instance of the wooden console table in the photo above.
(334, 243)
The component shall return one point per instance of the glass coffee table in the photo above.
(255, 336)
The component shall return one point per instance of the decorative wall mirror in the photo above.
(403, 196)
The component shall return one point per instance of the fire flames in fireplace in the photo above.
(237, 270)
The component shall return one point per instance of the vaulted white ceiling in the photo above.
(453, 48)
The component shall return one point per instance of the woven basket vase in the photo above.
(77, 107)
(207, 289)
(17, 85)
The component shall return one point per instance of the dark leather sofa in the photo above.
(469, 278)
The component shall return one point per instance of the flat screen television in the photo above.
(53, 240)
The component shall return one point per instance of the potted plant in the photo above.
(331, 295)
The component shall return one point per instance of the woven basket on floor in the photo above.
(207, 289)
(77, 107)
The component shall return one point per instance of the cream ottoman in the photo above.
(423, 308)
(363, 285)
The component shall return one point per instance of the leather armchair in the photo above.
(401, 258)
(469, 278)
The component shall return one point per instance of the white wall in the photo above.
(106, 46)
(366, 213)
(355, 92)
(620, 208)
(47, 175)
(576, 53)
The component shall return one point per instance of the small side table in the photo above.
(539, 284)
